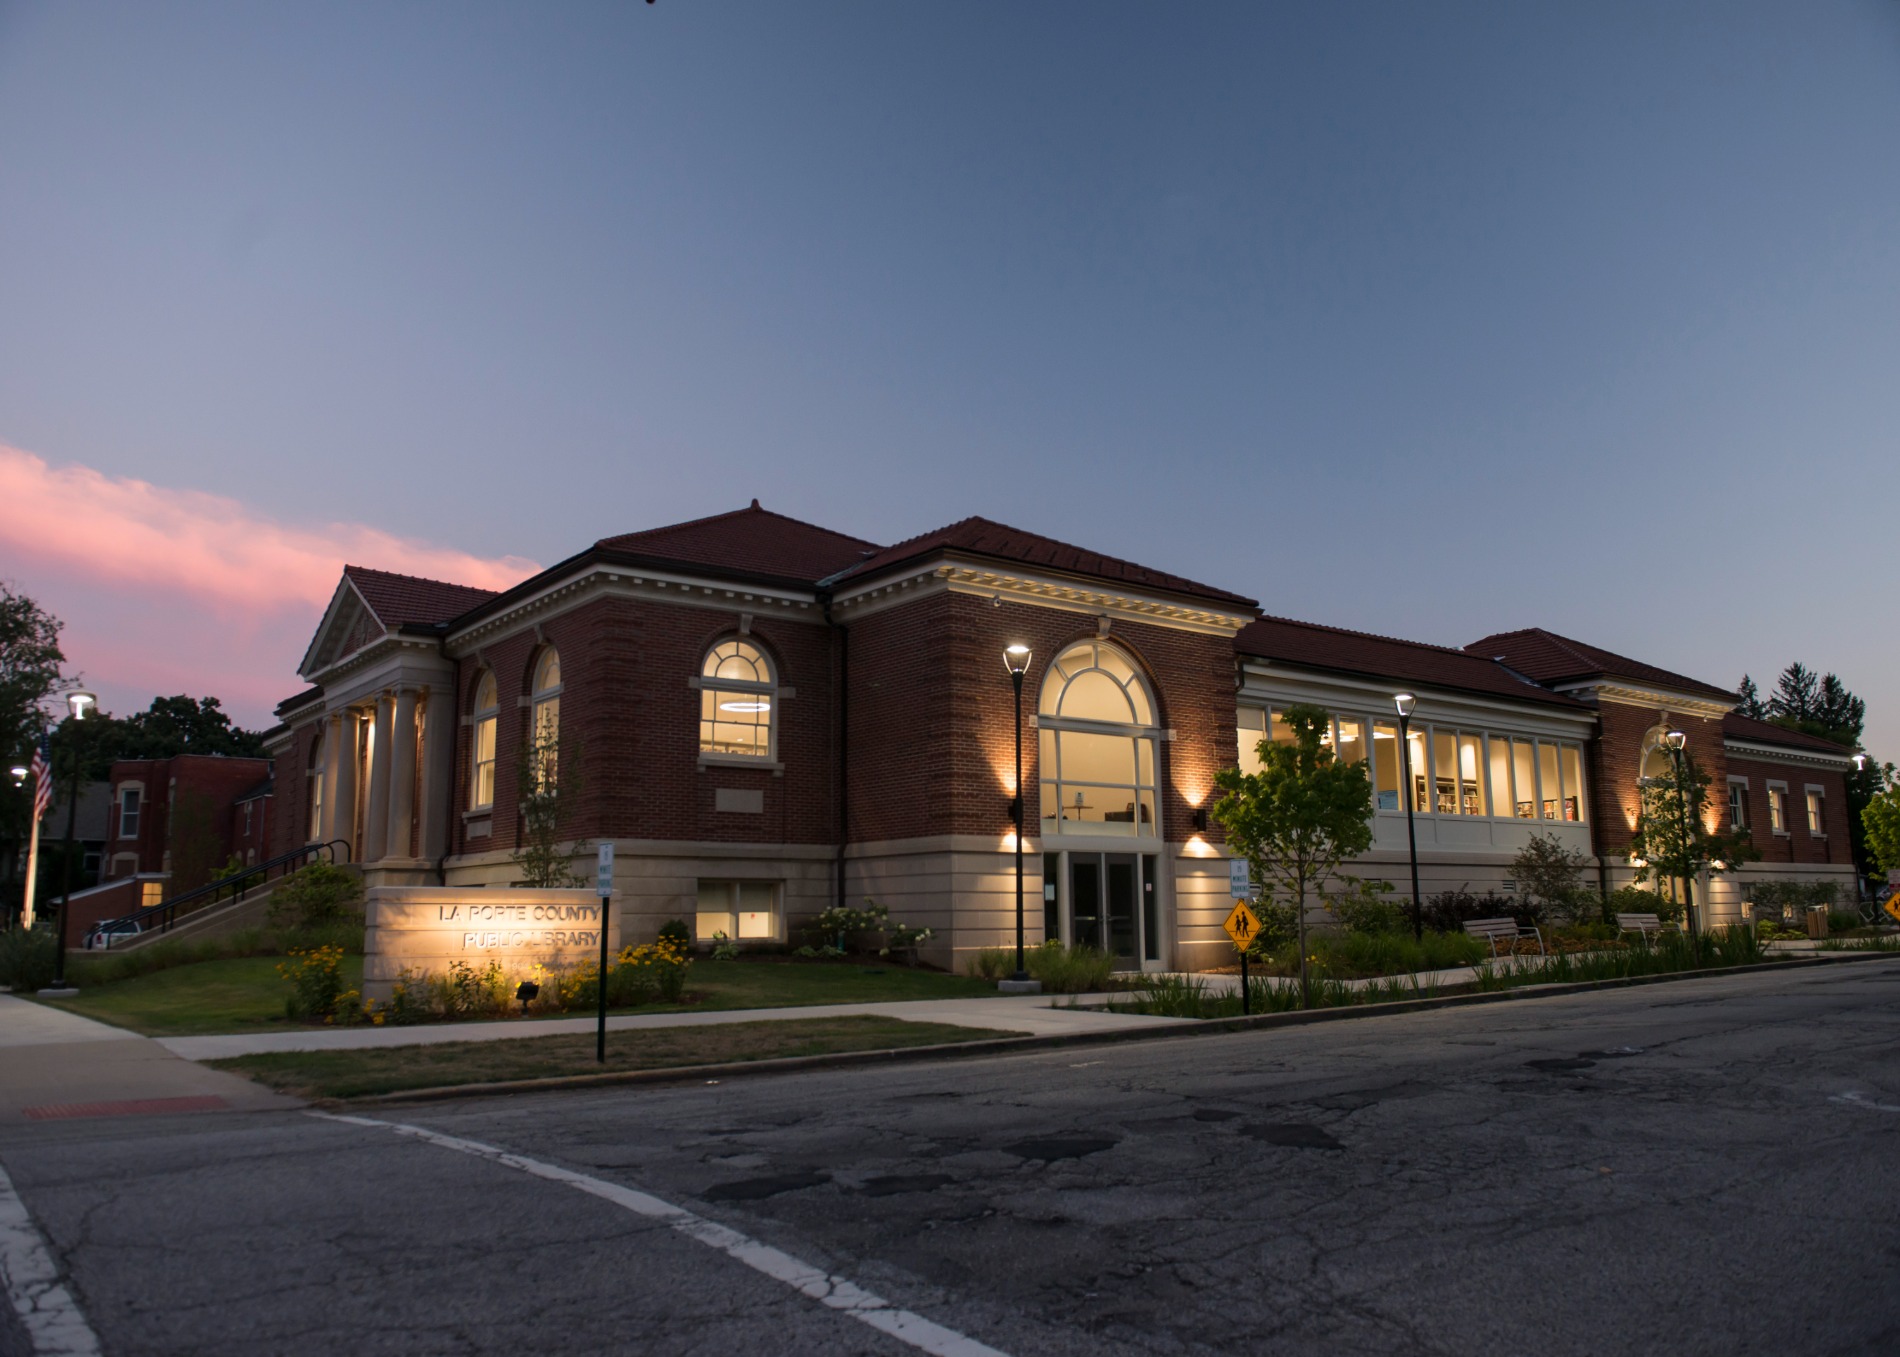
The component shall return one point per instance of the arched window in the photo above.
(546, 726)
(481, 783)
(1098, 737)
(313, 787)
(738, 702)
(1655, 761)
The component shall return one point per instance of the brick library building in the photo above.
(765, 717)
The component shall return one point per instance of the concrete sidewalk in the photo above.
(56, 1065)
(1029, 1014)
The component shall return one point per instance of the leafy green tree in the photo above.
(1299, 817)
(1673, 837)
(1880, 822)
(30, 673)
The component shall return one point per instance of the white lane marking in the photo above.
(52, 1317)
(1862, 1100)
(837, 1293)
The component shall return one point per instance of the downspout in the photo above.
(448, 846)
(843, 645)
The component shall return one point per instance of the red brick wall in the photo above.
(1797, 845)
(214, 783)
(625, 667)
(1616, 762)
(931, 742)
(290, 805)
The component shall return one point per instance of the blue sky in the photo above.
(1426, 320)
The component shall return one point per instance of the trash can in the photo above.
(1817, 921)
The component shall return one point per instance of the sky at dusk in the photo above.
(1428, 320)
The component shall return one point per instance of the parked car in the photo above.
(111, 931)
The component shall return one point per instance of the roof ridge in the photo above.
(1459, 651)
(753, 508)
(419, 579)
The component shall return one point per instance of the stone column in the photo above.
(376, 822)
(343, 825)
(438, 771)
(332, 776)
(402, 775)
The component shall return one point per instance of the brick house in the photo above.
(765, 717)
(182, 818)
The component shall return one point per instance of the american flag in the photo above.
(42, 767)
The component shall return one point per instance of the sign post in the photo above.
(604, 887)
(1243, 925)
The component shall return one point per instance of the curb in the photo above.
(1000, 1046)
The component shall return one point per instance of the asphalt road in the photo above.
(1700, 1167)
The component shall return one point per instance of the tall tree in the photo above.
(1818, 704)
(30, 662)
(1300, 816)
(1751, 704)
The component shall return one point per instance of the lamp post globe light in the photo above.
(1016, 661)
(1403, 703)
(1676, 739)
(78, 702)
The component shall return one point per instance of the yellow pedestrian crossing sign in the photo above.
(1243, 926)
(1893, 906)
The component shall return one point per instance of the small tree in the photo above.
(1880, 822)
(1300, 816)
(1550, 879)
(548, 774)
(1672, 835)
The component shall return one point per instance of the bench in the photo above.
(1647, 926)
(1508, 929)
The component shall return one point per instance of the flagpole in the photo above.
(32, 873)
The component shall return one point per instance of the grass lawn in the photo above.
(245, 994)
(356, 1074)
(233, 994)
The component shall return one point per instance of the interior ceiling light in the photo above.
(745, 706)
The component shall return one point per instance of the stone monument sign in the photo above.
(425, 929)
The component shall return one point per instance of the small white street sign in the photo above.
(604, 876)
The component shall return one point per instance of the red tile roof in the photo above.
(1739, 727)
(1357, 652)
(396, 599)
(1000, 542)
(752, 541)
(1550, 658)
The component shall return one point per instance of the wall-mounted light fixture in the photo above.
(1200, 819)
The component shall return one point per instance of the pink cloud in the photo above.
(116, 529)
(167, 591)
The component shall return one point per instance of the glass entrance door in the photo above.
(1112, 906)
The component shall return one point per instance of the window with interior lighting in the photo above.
(546, 725)
(745, 911)
(486, 716)
(738, 702)
(313, 789)
(1817, 812)
(1778, 807)
(1098, 737)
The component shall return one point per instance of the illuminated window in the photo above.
(738, 698)
(546, 726)
(1385, 766)
(745, 911)
(313, 789)
(1098, 745)
(481, 791)
(1778, 807)
(1817, 816)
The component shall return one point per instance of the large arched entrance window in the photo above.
(1099, 748)
(1098, 745)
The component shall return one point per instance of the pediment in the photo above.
(348, 625)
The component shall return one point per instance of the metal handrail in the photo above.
(163, 915)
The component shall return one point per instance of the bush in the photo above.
(317, 895)
(27, 958)
(1840, 921)
(676, 932)
(1790, 900)
(1550, 880)
(1363, 906)
(1449, 911)
(991, 963)
(1066, 970)
(1636, 900)
(316, 984)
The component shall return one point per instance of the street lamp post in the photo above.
(79, 702)
(20, 772)
(1676, 739)
(1404, 702)
(1016, 660)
